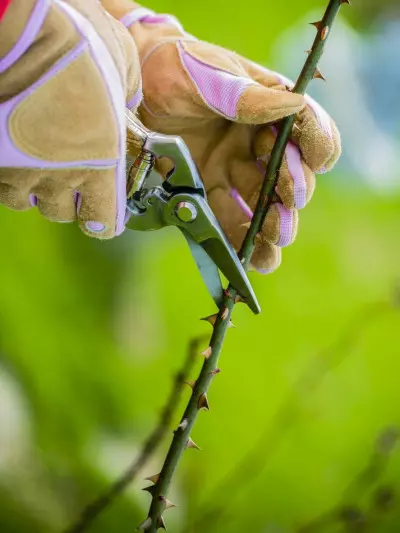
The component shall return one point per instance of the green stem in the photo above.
(182, 434)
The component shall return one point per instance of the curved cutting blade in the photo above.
(208, 269)
(206, 233)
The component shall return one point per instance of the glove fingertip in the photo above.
(97, 229)
(260, 105)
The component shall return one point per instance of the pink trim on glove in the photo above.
(149, 17)
(285, 226)
(219, 89)
(31, 30)
(293, 158)
(106, 65)
(134, 102)
(296, 171)
(136, 15)
(244, 207)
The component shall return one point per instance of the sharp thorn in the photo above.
(308, 51)
(184, 424)
(318, 24)
(191, 444)
(318, 75)
(225, 313)
(345, 2)
(245, 225)
(167, 503)
(154, 478)
(145, 524)
(207, 352)
(227, 293)
(324, 33)
(238, 299)
(211, 319)
(191, 383)
(215, 372)
(231, 324)
(202, 402)
(150, 489)
(161, 523)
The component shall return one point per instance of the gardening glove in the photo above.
(67, 70)
(225, 107)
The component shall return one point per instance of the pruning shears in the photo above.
(181, 201)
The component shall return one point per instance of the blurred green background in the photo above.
(304, 419)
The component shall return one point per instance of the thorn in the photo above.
(245, 225)
(207, 352)
(191, 383)
(324, 33)
(167, 503)
(184, 424)
(145, 524)
(318, 75)
(225, 313)
(215, 372)
(308, 51)
(161, 523)
(318, 25)
(154, 478)
(238, 299)
(227, 293)
(211, 319)
(191, 444)
(150, 489)
(345, 2)
(202, 402)
(231, 324)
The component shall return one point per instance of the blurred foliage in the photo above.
(92, 334)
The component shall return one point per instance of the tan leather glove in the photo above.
(224, 107)
(67, 69)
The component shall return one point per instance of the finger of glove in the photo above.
(52, 194)
(280, 225)
(315, 132)
(296, 182)
(14, 198)
(318, 138)
(99, 205)
(234, 214)
(224, 86)
(59, 209)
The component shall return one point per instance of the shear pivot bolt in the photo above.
(186, 212)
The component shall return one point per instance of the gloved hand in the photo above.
(67, 68)
(224, 107)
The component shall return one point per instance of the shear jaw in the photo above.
(181, 202)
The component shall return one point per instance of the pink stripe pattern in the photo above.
(220, 90)
(285, 226)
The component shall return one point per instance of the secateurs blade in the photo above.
(181, 201)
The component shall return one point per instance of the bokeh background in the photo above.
(305, 415)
